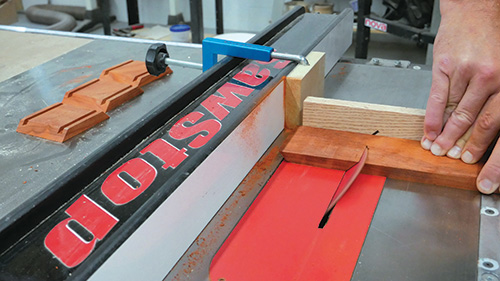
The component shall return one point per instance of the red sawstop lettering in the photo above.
(280, 64)
(204, 130)
(251, 75)
(166, 152)
(69, 247)
(120, 192)
(226, 96)
(133, 177)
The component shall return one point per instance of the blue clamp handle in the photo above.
(213, 47)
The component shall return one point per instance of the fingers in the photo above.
(462, 118)
(436, 105)
(488, 179)
(484, 131)
(456, 151)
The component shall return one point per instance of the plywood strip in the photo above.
(389, 157)
(366, 118)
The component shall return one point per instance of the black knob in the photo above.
(155, 59)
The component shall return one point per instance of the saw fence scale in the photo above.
(225, 174)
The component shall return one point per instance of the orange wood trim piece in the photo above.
(389, 157)
(133, 73)
(60, 122)
(102, 94)
(85, 106)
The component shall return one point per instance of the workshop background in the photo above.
(237, 17)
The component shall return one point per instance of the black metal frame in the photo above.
(421, 36)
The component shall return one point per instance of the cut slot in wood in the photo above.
(133, 73)
(102, 94)
(389, 157)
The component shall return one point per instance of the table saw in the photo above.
(204, 151)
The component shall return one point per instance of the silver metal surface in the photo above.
(296, 58)
(28, 164)
(389, 63)
(421, 232)
(96, 36)
(335, 36)
(182, 63)
(380, 85)
(488, 268)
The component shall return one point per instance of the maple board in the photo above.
(278, 237)
(366, 118)
(389, 157)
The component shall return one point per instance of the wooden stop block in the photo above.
(303, 81)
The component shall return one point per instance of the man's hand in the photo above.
(463, 110)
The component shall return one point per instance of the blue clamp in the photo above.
(213, 47)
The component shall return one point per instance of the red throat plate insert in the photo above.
(278, 237)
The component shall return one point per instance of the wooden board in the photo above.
(303, 81)
(278, 237)
(366, 118)
(389, 157)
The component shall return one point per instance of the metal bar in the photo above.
(488, 268)
(362, 32)
(96, 36)
(133, 12)
(194, 65)
(219, 17)
(196, 20)
(104, 11)
(296, 58)
(409, 32)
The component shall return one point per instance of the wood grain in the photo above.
(303, 81)
(389, 157)
(366, 118)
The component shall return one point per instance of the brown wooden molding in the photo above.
(389, 157)
(85, 106)
(60, 122)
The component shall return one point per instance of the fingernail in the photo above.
(436, 149)
(467, 157)
(486, 186)
(454, 152)
(426, 144)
